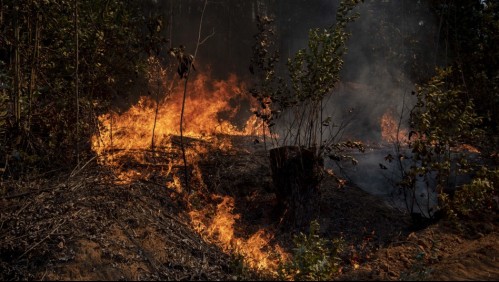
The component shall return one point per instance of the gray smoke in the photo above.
(391, 48)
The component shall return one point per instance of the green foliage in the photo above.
(315, 71)
(421, 268)
(471, 46)
(313, 259)
(457, 106)
(419, 271)
(480, 196)
(441, 114)
(43, 74)
(335, 150)
(441, 121)
(312, 75)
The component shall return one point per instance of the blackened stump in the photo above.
(296, 174)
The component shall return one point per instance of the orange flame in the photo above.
(211, 109)
(467, 147)
(390, 129)
(391, 132)
(220, 229)
(205, 104)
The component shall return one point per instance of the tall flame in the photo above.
(207, 112)
(211, 108)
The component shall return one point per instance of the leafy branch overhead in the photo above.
(315, 71)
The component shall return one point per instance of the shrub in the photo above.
(480, 196)
(314, 258)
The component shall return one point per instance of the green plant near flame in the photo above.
(314, 258)
(297, 101)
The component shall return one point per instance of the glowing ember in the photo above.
(466, 147)
(390, 129)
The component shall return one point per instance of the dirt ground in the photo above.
(88, 226)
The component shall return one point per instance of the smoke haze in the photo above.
(392, 46)
(388, 39)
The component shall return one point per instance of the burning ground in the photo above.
(92, 226)
(125, 215)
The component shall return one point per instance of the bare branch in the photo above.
(186, 176)
(207, 37)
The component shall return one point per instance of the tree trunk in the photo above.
(296, 174)
(33, 65)
(17, 70)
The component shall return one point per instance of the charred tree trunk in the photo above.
(296, 174)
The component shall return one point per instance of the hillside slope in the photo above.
(91, 226)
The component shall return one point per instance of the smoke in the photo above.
(389, 42)
(392, 46)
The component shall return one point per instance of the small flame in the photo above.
(220, 229)
(391, 130)
(467, 147)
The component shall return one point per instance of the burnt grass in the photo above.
(87, 225)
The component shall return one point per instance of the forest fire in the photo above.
(212, 108)
(249, 140)
(391, 130)
(208, 112)
(220, 229)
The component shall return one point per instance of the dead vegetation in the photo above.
(90, 226)
(87, 227)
